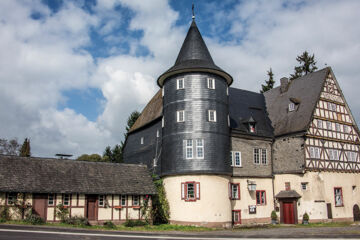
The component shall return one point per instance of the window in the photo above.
(157, 133)
(189, 149)
(337, 127)
(142, 140)
(123, 200)
(346, 129)
(314, 152)
(180, 83)
(235, 159)
(256, 156)
(291, 106)
(163, 91)
(162, 122)
(252, 127)
(332, 106)
(234, 191)
(263, 156)
(66, 199)
(11, 198)
(101, 200)
(351, 156)
(260, 197)
(338, 197)
(211, 83)
(236, 216)
(135, 200)
(228, 118)
(51, 199)
(260, 156)
(319, 124)
(329, 125)
(304, 185)
(190, 191)
(180, 116)
(287, 186)
(333, 154)
(212, 116)
(199, 148)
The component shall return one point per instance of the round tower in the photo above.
(195, 161)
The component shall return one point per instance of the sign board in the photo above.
(252, 209)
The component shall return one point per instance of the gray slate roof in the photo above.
(194, 56)
(288, 194)
(307, 91)
(40, 175)
(246, 106)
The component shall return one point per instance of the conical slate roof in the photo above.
(194, 56)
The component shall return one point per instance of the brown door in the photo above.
(288, 212)
(91, 207)
(329, 212)
(40, 205)
(356, 212)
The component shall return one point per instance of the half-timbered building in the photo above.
(95, 190)
(230, 156)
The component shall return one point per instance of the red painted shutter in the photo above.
(238, 193)
(182, 191)
(197, 184)
(230, 190)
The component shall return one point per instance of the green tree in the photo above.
(113, 154)
(9, 147)
(131, 120)
(269, 84)
(90, 158)
(307, 65)
(25, 148)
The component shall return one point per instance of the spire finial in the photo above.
(193, 13)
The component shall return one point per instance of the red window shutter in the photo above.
(230, 190)
(182, 191)
(238, 193)
(197, 184)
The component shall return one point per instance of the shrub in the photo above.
(305, 217)
(160, 211)
(109, 224)
(273, 215)
(62, 212)
(77, 221)
(135, 223)
(33, 219)
(4, 214)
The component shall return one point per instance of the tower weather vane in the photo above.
(193, 13)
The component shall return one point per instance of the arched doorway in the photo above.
(356, 212)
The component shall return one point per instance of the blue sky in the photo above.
(72, 71)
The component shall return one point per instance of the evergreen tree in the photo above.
(307, 65)
(131, 120)
(269, 83)
(25, 148)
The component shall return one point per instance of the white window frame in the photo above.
(189, 149)
(291, 107)
(235, 191)
(51, 199)
(142, 140)
(178, 85)
(101, 200)
(304, 186)
(135, 200)
(162, 122)
(180, 116)
(123, 200)
(11, 198)
(157, 133)
(212, 115)
(211, 83)
(237, 159)
(264, 156)
(66, 199)
(256, 155)
(199, 148)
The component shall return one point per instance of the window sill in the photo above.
(339, 205)
(236, 166)
(136, 207)
(118, 207)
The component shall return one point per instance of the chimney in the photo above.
(284, 83)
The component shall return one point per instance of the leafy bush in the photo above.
(273, 215)
(77, 221)
(160, 211)
(33, 219)
(62, 212)
(305, 217)
(109, 224)
(4, 214)
(135, 223)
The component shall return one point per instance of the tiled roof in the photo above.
(288, 194)
(41, 175)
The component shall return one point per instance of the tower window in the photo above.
(234, 191)
(211, 83)
(157, 133)
(212, 116)
(199, 148)
(142, 140)
(189, 149)
(235, 159)
(180, 83)
(190, 191)
(180, 115)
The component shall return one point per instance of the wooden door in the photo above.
(288, 212)
(329, 211)
(91, 207)
(40, 205)
(356, 212)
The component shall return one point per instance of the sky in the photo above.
(71, 72)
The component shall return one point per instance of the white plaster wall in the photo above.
(81, 200)
(77, 212)
(133, 213)
(73, 199)
(2, 198)
(249, 198)
(50, 214)
(213, 206)
(104, 213)
(320, 190)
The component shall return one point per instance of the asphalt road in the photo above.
(12, 232)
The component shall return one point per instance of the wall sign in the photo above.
(252, 209)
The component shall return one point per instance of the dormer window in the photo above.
(211, 83)
(252, 127)
(180, 83)
(291, 106)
